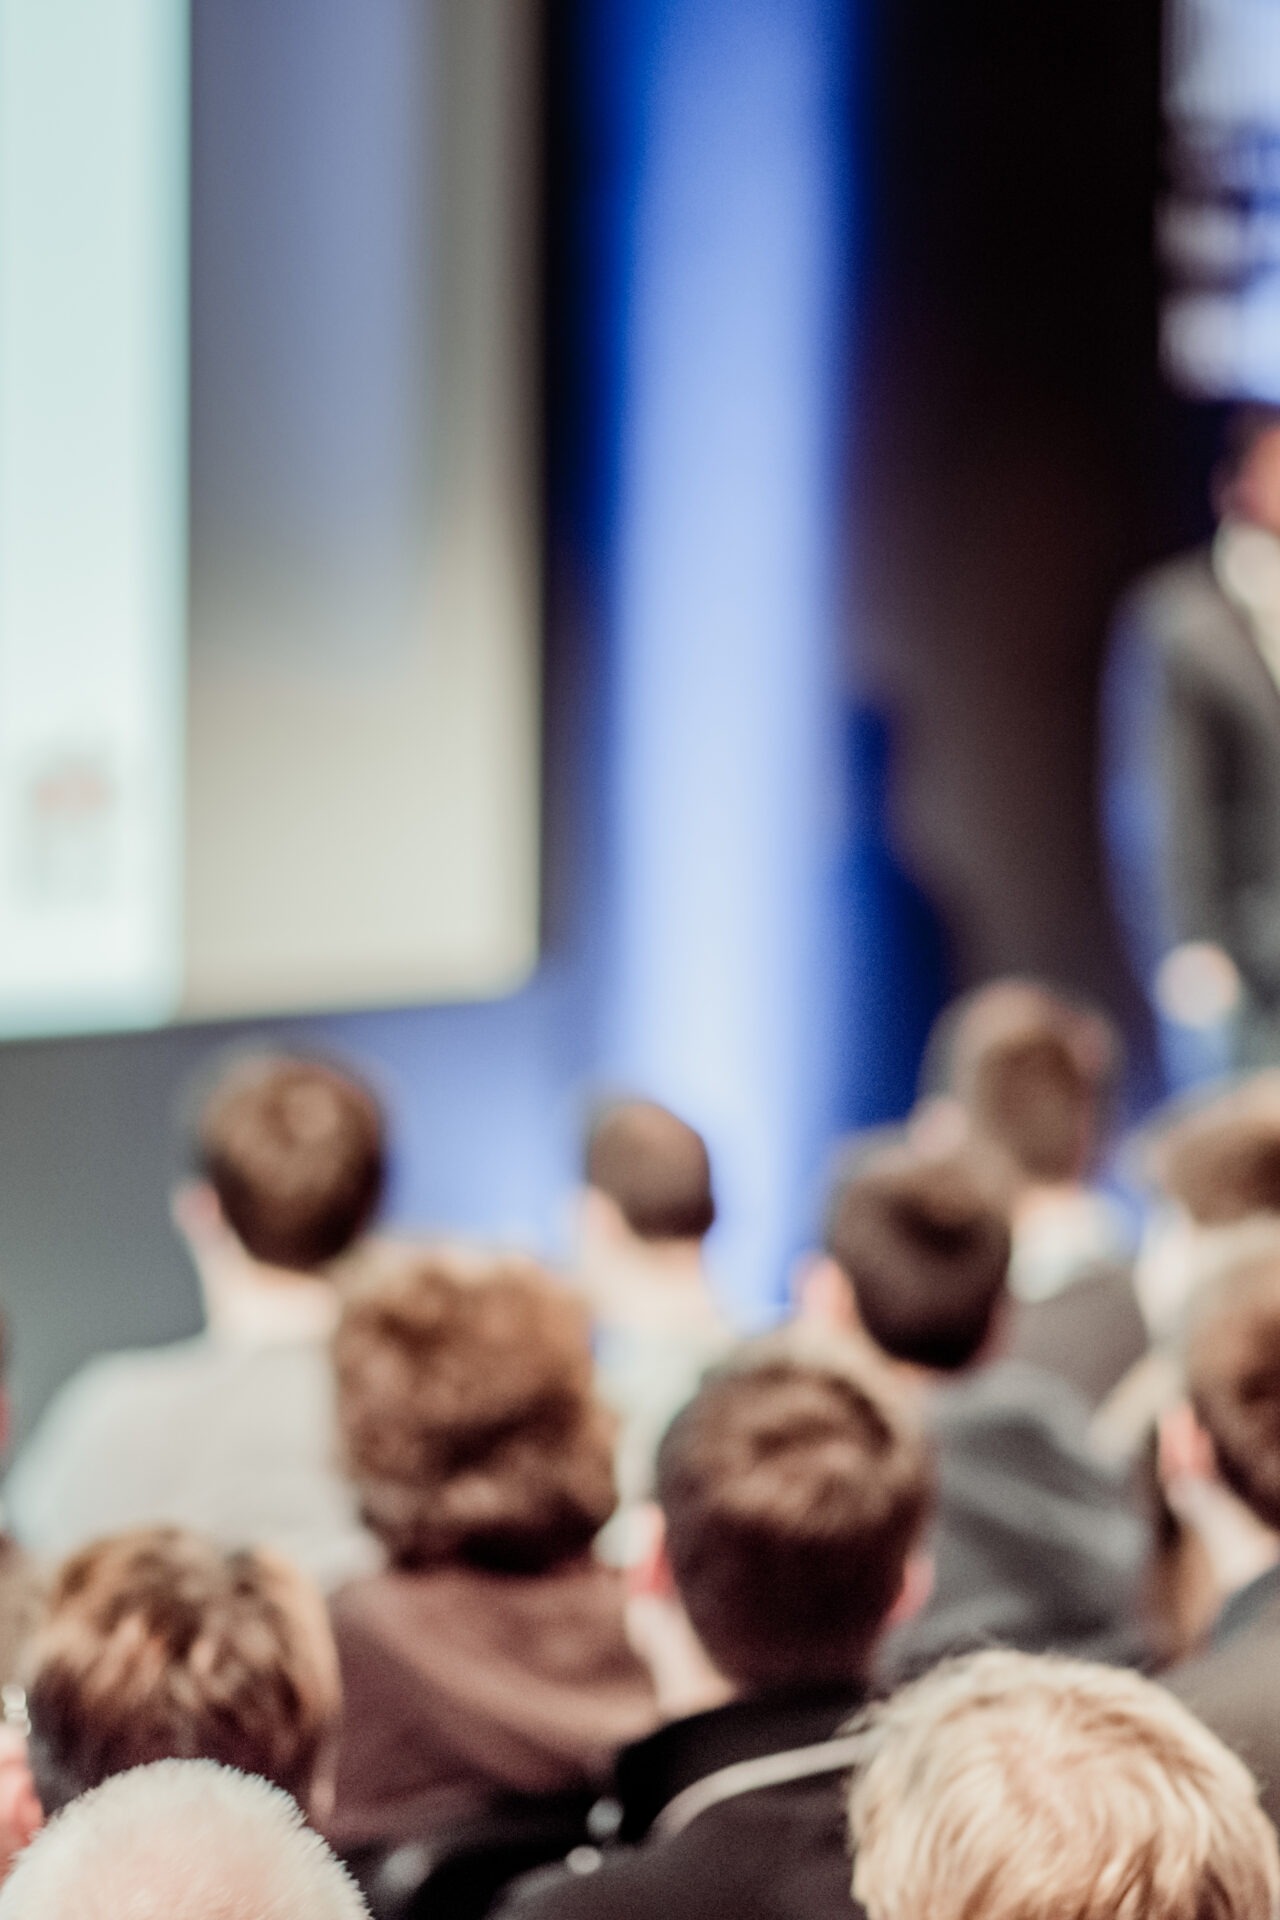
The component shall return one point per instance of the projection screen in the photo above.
(268, 507)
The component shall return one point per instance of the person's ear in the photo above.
(1184, 1451)
(649, 1570)
(21, 1815)
(823, 1296)
(196, 1212)
(939, 1125)
(600, 1221)
(915, 1592)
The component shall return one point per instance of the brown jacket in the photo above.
(460, 1686)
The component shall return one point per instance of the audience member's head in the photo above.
(158, 1645)
(1215, 1168)
(180, 1840)
(1035, 1073)
(468, 1414)
(653, 1170)
(1024, 1787)
(793, 1488)
(293, 1153)
(1232, 1363)
(923, 1242)
(1220, 1162)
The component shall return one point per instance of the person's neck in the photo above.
(1238, 1546)
(685, 1678)
(1039, 1199)
(248, 1299)
(924, 1381)
(673, 1262)
(646, 1279)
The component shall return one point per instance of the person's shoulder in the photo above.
(617, 1885)
(1158, 599)
(1010, 1393)
(102, 1422)
(114, 1382)
(1239, 1675)
(762, 1856)
(1177, 621)
(1018, 1416)
(1234, 1688)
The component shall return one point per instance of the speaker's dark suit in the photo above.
(1192, 782)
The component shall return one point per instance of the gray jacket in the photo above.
(1036, 1544)
(1192, 777)
(234, 1439)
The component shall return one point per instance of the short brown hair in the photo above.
(158, 1645)
(1024, 1787)
(654, 1168)
(793, 1487)
(1035, 1072)
(468, 1414)
(923, 1241)
(1233, 1379)
(295, 1152)
(1221, 1160)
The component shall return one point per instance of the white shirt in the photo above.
(231, 1433)
(1246, 564)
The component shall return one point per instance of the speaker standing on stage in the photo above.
(1192, 769)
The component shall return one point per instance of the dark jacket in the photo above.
(461, 1687)
(774, 1853)
(1234, 1685)
(1192, 720)
(1036, 1544)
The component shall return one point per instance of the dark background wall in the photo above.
(1020, 457)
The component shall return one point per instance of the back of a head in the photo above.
(159, 1645)
(923, 1241)
(467, 1407)
(295, 1152)
(1025, 1787)
(654, 1168)
(1035, 1072)
(793, 1487)
(1221, 1160)
(1232, 1362)
(180, 1840)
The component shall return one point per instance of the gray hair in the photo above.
(180, 1840)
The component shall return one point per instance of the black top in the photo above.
(775, 1853)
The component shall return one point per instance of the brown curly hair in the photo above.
(468, 1415)
(159, 1645)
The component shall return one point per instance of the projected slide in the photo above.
(268, 578)
(1220, 227)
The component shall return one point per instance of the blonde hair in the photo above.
(1023, 1787)
(180, 1840)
